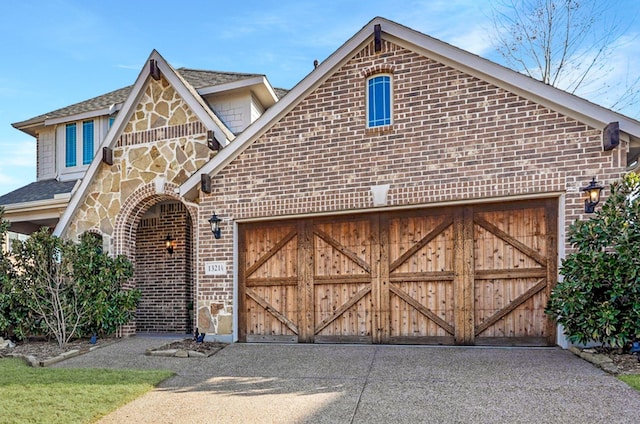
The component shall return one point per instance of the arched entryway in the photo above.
(164, 274)
(165, 278)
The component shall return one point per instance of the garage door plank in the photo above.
(342, 249)
(511, 240)
(272, 310)
(422, 309)
(264, 258)
(421, 243)
(342, 309)
(540, 285)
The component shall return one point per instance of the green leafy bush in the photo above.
(599, 297)
(62, 289)
(102, 278)
(16, 319)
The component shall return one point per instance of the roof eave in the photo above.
(258, 84)
(37, 205)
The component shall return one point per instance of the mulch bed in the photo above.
(42, 350)
(206, 348)
(626, 363)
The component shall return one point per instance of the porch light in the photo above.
(169, 244)
(593, 196)
(215, 225)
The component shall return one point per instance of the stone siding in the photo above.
(163, 139)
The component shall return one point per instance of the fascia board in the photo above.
(85, 115)
(37, 205)
(279, 109)
(260, 84)
(513, 81)
(235, 85)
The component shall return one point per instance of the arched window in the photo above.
(379, 100)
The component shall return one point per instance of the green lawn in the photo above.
(631, 380)
(47, 395)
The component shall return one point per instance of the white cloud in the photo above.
(20, 154)
(476, 40)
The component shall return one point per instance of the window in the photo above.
(87, 142)
(379, 101)
(111, 121)
(79, 143)
(70, 146)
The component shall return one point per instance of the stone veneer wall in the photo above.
(163, 138)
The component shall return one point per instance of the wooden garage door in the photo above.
(473, 275)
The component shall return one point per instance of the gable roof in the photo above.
(527, 87)
(101, 105)
(188, 94)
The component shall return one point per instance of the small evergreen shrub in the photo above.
(599, 297)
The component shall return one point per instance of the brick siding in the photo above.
(454, 138)
(165, 279)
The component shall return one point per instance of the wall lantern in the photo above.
(169, 244)
(215, 225)
(593, 196)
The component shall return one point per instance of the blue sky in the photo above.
(57, 52)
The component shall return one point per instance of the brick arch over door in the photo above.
(167, 280)
(134, 207)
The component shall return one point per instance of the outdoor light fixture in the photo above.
(169, 244)
(593, 196)
(215, 225)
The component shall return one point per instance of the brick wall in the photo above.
(453, 138)
(164, 279)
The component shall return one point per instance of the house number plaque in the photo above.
(215, 268)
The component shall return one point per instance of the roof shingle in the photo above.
(197, 78)
(40, 190)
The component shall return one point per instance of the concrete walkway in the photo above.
(248, 383)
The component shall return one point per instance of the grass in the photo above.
(632, 380)
(47, 395)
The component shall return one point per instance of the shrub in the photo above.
(102, 278)
(16, 318)
(599, 297)
(55, 287)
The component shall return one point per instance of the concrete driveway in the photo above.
(248, 383)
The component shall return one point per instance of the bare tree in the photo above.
(568, 44)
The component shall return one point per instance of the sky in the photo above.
(55, 53)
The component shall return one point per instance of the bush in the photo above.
(599, 297)
(102, 277)
(16, 318)
(58, 288)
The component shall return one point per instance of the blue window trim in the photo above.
(379, 101)
(87, 142)
(70, 145)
